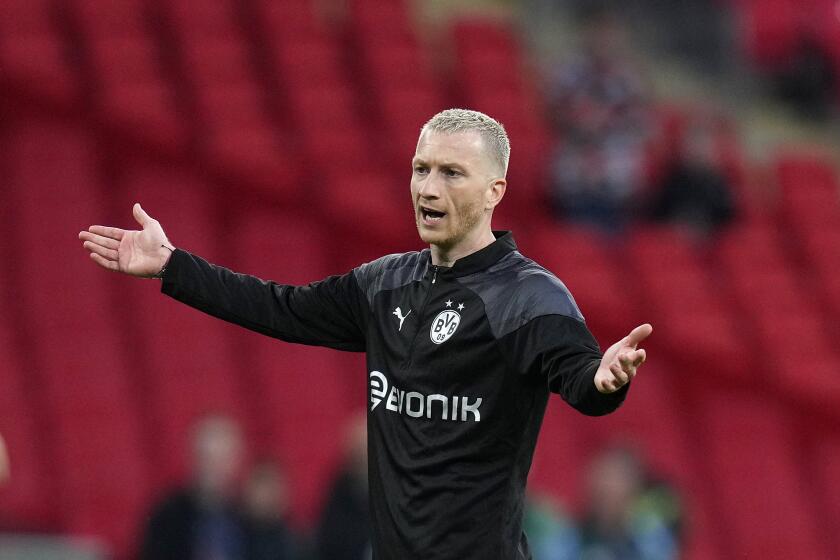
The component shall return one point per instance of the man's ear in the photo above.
(495, 193)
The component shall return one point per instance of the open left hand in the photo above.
(621, 360)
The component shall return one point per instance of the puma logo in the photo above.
(400, 316)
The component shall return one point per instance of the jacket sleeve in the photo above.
(561, 350)
(332, 312)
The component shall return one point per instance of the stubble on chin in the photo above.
(469, 218)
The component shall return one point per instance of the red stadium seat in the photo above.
(825, 466)
(114, 18)
(373, 19)
(692, 318)
(369, 208)
(289, 19)
(479, 35)
(24, 502)
(769, 30)
(255, 158)
(211, 18)
(33, 56)
(308, 62)
(751, 248)
(749, 448)
(316, 107)
(802, 170)
(132, 92)
(218, 61)
(80, 385)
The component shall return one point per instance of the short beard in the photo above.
(471, 216)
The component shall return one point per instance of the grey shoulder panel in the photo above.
(390, 272)
(517, 290)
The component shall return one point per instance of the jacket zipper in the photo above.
(420, 316)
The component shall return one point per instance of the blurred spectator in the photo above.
(264, 504)
(552, 534)
(695, 192)
(625, 517)
(344, 528)
(598, 104)
(199, 521)
(809, 80)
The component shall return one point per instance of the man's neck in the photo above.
(447, 256)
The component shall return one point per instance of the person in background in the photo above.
(264, 508)
(200, 521)
(625, 518)
(598, 103)
(551, 531)
(695, 192)
(808, 82)
(344, 529)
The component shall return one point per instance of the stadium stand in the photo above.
(275, 140)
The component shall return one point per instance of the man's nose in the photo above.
(430, 188)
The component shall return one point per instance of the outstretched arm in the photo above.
(562, 350)
(622, 360)
(140, 253)
(332, 312)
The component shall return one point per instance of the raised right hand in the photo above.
(138, 253)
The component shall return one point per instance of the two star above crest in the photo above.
(460, 305)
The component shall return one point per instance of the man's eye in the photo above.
(420, 170)
(451, 173)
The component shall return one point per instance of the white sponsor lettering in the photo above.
(418, 405)
(378, 388)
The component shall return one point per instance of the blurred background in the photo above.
(672, 162)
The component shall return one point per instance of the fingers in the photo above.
(105, 231)
(140, 215)
(638, 334)
(623, 377)
(108, 242)
(608, 380)
(110, 254)
(640, 357)
(105, 263)
(624, 369)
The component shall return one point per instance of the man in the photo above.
(464, 341)
(200, 520)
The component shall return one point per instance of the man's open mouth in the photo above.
(431, 216)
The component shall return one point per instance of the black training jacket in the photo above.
(460, 363)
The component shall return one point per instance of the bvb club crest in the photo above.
(444, 325)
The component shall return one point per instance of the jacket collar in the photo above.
(483, 258)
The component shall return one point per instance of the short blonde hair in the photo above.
(491, 131)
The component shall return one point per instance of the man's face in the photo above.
(217, 449)
(451, 186)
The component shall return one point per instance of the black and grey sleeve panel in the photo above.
(391, 272)
(517, 290)
(541, 330)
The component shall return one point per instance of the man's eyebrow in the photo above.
(417, 160)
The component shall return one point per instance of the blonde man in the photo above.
(465, 341)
